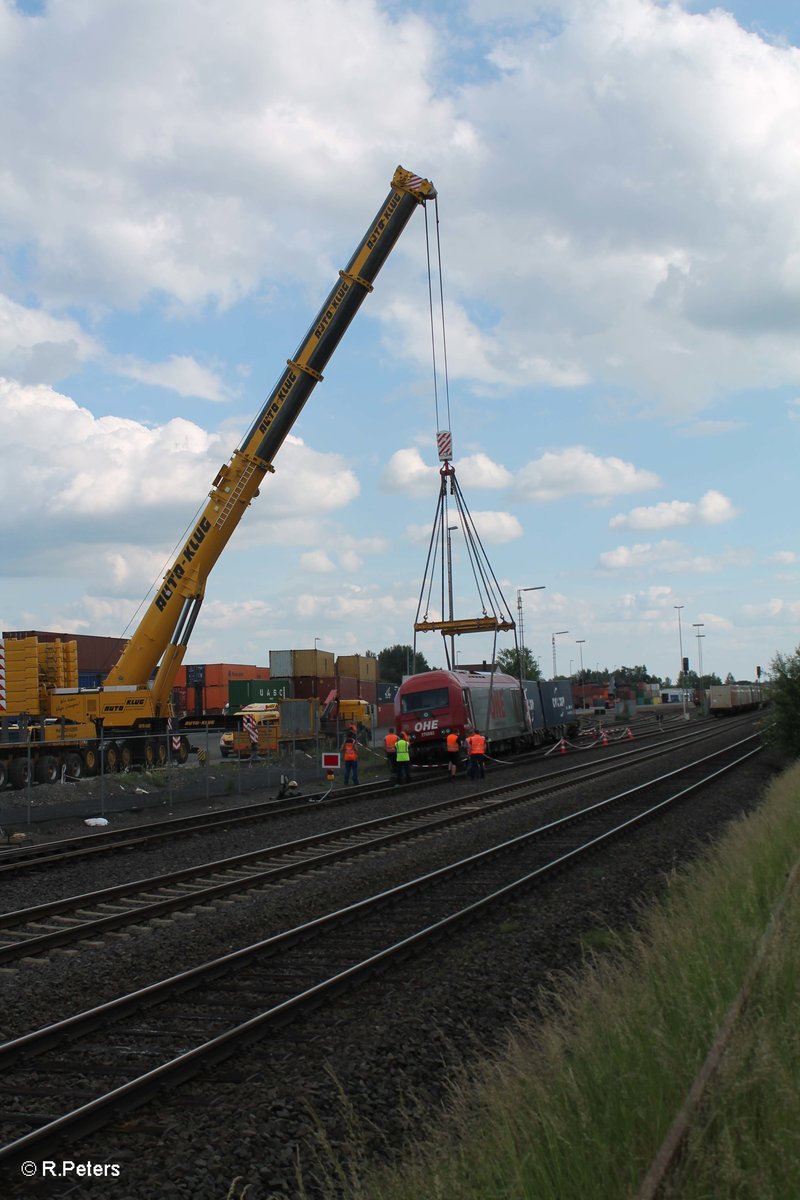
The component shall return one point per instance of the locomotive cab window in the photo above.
(418, 702)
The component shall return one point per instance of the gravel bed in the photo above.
(388, 1049)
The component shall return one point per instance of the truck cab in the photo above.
(239, 743)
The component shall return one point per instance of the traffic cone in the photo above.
(629, 734)
(563, 746)
(605, 739)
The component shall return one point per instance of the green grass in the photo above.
(579, 1105)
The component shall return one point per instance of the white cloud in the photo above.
(712, 509)
(95, 479)
(497, 527)
(648, 554)
(406, 471)
(161, 186)
(317, 561)
(36, 347)
(180, 373)
(785, 558)
(576, 471)
(479, 471)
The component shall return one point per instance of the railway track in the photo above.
(78, 1074)
(71, 920)
(131, 838)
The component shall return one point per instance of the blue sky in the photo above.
(618, 196)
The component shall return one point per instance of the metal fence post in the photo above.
(102, 772)
(207, 766)
(28, 784)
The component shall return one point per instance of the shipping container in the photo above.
(347, 687)
(386, 692)
(281, 663)
(368, 691)
(214, 697)
(285, 664)
(358, 666)
(258, 691)
(319, 687)
(313, 662)
(88, 679)
(386, 714)
(196, 675)
(299, 719)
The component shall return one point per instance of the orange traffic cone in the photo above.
(629, 734)
(605, 739)
(563, 746)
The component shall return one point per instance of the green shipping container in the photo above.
(258, 691)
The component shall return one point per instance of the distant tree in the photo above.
(729, 678)
(395, 661)
(783, 730)
(633, 675)
(508, 663)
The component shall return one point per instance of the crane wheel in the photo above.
(91, 760)
(155, 752)
(74, 765)
(19, 773)
(127, 754)
(111, 764)
(182, 753)
(46, 769)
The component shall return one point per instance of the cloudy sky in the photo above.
(619, 214)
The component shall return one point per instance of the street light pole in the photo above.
(539, 588)
(698, 625)
(557, 633)
(680, 644)
(580, 642)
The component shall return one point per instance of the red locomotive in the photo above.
(512, 718)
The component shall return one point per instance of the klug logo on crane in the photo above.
(177, 572)
(277, 403)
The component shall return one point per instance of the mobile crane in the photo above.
(74, 723)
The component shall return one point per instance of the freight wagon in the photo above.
(729, 698)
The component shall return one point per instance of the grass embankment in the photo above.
(580, 1104)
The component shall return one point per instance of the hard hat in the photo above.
(292, 783)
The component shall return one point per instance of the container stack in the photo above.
(58, 664)
(203, 687)
(311, 672)
(359, 672)
(21, 675)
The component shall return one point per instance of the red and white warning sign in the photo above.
(330, 761)
(444, 442)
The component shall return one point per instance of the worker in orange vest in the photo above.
(390, 743)
(350, 752)
(453, 753)
(476, 747)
